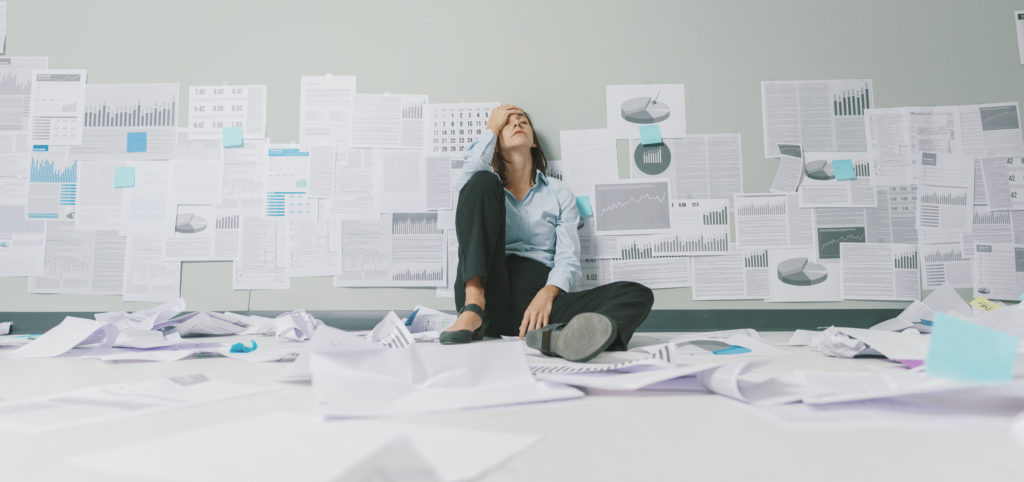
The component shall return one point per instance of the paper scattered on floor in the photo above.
(335, 451)
(110, 402)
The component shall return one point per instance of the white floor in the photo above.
(606, 436)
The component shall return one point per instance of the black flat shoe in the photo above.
(459, 337)
(584, 337)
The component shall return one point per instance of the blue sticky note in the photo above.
(408, 321)
(232, 137)
(124, 177)
(241, 348)
(137, 142)
(583, 206)
(732, 350)
(650, 134)
(843, 169)
(967, 352)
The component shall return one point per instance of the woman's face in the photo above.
(517, 132)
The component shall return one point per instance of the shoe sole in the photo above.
(583, 338)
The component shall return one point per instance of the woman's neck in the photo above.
(518, 170)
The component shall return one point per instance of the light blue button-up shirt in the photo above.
(542, 226)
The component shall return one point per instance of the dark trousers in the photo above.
(510, 281)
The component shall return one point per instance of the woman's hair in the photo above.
(540, 161)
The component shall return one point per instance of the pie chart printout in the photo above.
(801, 272)
(819, 170)
(645, 110)
(189, 223)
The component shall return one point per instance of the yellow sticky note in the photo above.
(983, 303)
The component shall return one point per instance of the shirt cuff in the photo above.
(561, 278)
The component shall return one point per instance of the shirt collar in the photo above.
(540, 177)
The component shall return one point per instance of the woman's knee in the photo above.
(635, 291)
(481, 183)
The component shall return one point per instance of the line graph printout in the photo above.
(57, 108)
(398, 249)
(945, 197)
(944, 263)
(52, 184)
(212, 108)
(129, 122)
(821, 115)
(820, 188)
(833, 226)
(880, 271)
(771, 220)
(739, 275)
(325, 109)
(632, 207)
(450, 128)
(699, 166)
(16, 91)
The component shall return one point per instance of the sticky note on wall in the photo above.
(650, 134)
(583, 206)
(964, 351)
(124, 177)
(137, 142)
(843, 169)
(232, 137)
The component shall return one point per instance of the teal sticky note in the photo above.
(650, 134)
(843, 169)
(968, 352)
(232, 137)
(137, 142)
(241, 348)
(583, 206)
(124, 177)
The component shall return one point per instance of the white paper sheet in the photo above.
(352, 175)
(589, 157)
(820, 188)
(80, 262)
(398, 249)
(998, 271)
(57, 106)
(992, 182)
(263, 255)
(147, 275)
(126, 122)
(111, 402)
(423, 378)
(325, 109)
(21, 243)
(197, 170)
(399, 181)
(822, 115)
(740, 275)
(630, 106)
(790, 170)
(699, 166)
(312, 249)
(287, 183)
(71, 332)
(16, 73)
(880, 271)
(945, 197)
(213, 108)
(331, 450)
(322, 162)
(450, 128)
(796, 274)
(52, 185)
(771, 220)
(147, 208)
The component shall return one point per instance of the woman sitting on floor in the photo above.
(518, 245)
